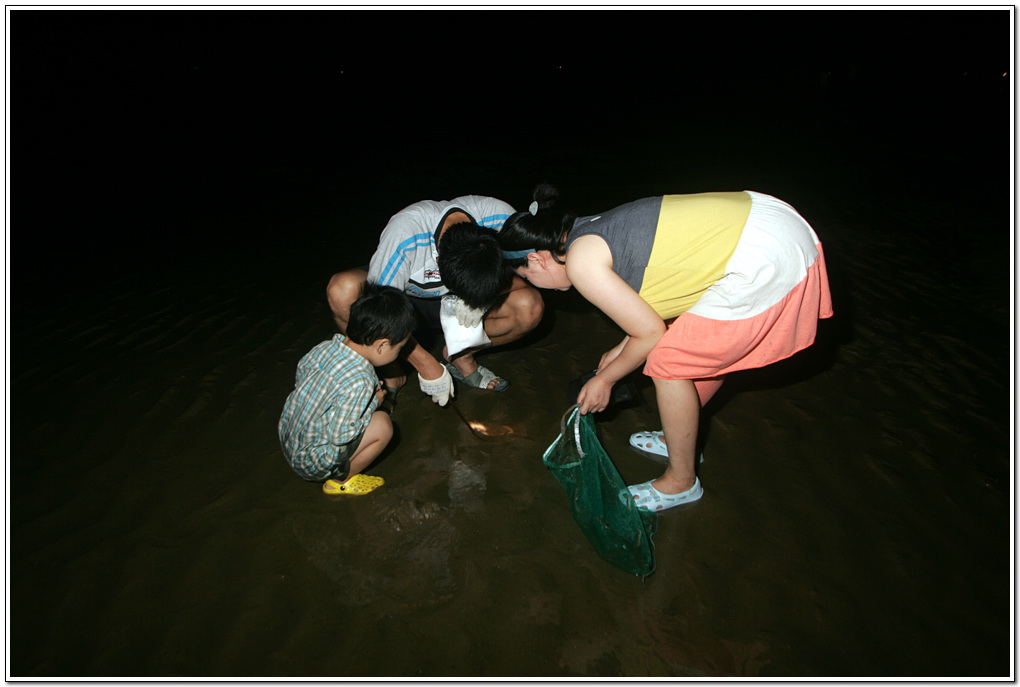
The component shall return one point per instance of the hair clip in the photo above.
(533, 208)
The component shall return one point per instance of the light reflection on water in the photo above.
(490, 429)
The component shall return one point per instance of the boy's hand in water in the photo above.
(594, 396)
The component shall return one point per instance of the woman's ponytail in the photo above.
(543, 226)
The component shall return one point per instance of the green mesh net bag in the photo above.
(603, 508)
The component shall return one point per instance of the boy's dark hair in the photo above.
(545, 229)
(471, 264)
(381, 312)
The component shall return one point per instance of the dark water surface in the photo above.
(858, 498)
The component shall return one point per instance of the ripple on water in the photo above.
(406, 562)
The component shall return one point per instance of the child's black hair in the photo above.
(544, 229)
(381, 312)
(471, 264)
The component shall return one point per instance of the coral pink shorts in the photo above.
(765, 309)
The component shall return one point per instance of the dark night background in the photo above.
(183, 182)
(134, 132)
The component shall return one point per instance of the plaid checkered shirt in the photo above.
(331, 405)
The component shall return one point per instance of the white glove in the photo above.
(467, 316)
(458, 337)
(441, 389)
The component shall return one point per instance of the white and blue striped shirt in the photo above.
(407, 253)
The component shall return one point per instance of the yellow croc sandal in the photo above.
(355, 486)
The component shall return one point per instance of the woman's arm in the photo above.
(610, 355)
(590, 270)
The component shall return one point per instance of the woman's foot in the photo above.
(648, 497)
(653, 445)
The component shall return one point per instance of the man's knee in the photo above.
(343, 289)
(530, 307)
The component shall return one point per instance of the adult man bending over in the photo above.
(408, 258)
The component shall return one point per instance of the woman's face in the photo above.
(544, 272)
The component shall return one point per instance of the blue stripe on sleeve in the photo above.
(494, 221)
(397, 258)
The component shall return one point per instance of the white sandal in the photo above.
(647, 497)
(480, 378)
(653, 443)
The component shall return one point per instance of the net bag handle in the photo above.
(577, 428)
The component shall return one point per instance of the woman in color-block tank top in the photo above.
(740, 274)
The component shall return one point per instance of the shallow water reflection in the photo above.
(490, 429)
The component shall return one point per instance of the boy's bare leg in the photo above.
(519, 312)
(679, 410)
(376, 439)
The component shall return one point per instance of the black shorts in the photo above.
(428, 313)
(429, 324)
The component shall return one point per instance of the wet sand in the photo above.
(858, 498)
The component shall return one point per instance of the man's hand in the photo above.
(441, 389)
(467, 316)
